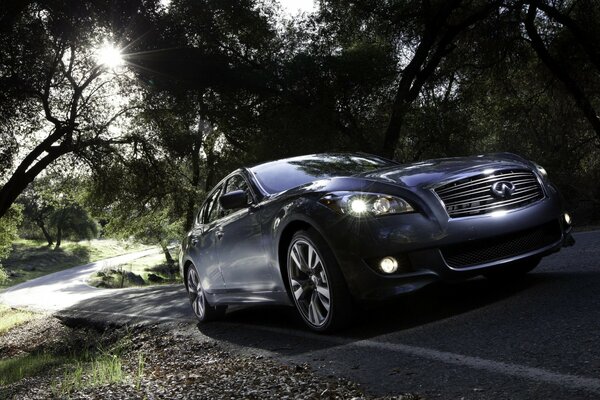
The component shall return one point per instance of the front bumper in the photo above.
(437, 248)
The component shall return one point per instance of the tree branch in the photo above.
(581, 35)
(559, 72)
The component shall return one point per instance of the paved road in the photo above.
(66, 288)
(536, 339)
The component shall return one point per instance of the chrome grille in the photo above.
(474, 195)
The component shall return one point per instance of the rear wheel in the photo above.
(202, 309)
(317, 285)
(513, 271)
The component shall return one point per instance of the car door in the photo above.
(242, 254)
(202, 243)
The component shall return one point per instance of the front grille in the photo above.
(474, 195)
(498, 248)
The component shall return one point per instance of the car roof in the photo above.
(317, 155)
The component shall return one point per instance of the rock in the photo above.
(134, 279)
(155, 278)
(13, 274)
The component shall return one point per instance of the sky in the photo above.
(294, 6)
(291, 7)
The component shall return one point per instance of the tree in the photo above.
(582, 34)
(53, 204)
(54, 88)
(423, 34)
(70, 218)
(37, 209)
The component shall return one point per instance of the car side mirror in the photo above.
(234, 199)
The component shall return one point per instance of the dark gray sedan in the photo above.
(323, 232)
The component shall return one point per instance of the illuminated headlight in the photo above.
(541, 170)
(567, 218)
(364, 204)
(357, 205)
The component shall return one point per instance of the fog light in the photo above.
(389, 265)
(567, 218)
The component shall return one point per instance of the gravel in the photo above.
(178, 364)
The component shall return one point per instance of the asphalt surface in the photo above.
(63, 289)
(534, 339)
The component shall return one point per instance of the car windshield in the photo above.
(278, 176)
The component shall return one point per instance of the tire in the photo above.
(316, 283)
(202, 309)
(513, 271)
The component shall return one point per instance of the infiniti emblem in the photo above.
(503, 189)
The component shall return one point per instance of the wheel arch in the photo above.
(186, 267)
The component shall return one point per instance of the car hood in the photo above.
(438, 171)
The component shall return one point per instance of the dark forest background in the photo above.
(210, 85)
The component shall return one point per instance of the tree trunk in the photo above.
(165, 249)
(583, 38)
(191, 204)
(30, 168)
(42, 226)
(58, 237)
(436, 43)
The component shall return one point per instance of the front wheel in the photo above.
(202, 309)
(317, 285)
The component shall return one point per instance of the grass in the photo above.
(95, 360)
(101, 370)
(83, 369)
(143, 267)
(139, 373)
(31, 259)
(11, 317)
(101, 367)
(15, 369)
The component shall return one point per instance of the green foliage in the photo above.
(156, 226)
(52, 207)
(8, 230)
(222, 84)
(8, 234)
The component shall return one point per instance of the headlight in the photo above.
(366, 204)
(541, 170)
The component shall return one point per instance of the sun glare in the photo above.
(109, 55)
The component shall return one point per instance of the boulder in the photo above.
(134, 279)
(155, 278)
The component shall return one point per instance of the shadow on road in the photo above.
(155, 304)
(471, 311)
(258, 326)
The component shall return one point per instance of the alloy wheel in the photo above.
(309, 282)
(196, 294)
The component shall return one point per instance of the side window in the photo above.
(210, 212)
